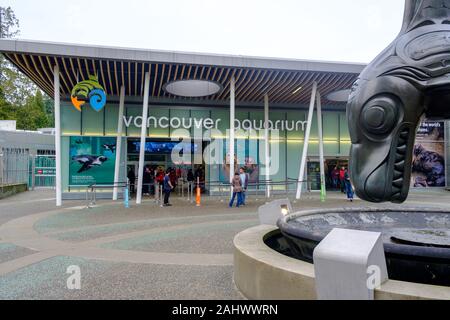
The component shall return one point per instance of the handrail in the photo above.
(222, 187)
(93, 187)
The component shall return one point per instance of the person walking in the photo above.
(244, 182)
(168, 187)
(348, 186)
(236, 184)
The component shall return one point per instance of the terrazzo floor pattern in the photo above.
(145, 252)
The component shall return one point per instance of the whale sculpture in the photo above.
(408, 81)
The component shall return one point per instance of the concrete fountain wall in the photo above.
(261, 273)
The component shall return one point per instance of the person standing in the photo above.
(335, 177)
(348, 186)
(190, 180)
(342, 179)
(236, 184)
(132, 179)
(146, 180)
(168, 186)
(244, 182)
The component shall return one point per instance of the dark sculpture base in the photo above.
(416, 241)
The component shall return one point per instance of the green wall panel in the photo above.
(92, 121)
(158, 131)
(132, 130)
(112, 112)
(70, 120)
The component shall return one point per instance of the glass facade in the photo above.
(173, 124)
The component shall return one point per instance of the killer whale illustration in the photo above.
(110, 147)
(408, 81)
(88, 161)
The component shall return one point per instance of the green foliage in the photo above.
(7, 111)
(20, 99)
(9, 24)
(32, 116)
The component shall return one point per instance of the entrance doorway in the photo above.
(332, 178)
(313, 172)
(331, 181)
(158, 158)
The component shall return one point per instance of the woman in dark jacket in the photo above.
(146, 180)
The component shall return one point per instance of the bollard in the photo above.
(198, 197)
(191, 192)
(155, 187)
(188, 191)
(161, 200)
(126, 199)
(182, 189)
(221, 193)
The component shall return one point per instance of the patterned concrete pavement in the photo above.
(145, 252)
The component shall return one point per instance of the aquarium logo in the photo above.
(89, 91)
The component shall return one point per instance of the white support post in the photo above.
(232, 128)
(267, 143)
(323, 191)
(57, 99)
(119, 142)
(306, 142)
(143, 138)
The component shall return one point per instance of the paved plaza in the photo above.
(144, 252)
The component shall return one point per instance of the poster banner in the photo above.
(92, 160)
(246, 156)
(428, 167)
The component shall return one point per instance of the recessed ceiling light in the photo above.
(297, 90)
(339, 96)
(193, 88)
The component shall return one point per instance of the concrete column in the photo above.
(301, 174)
(267, 142)
(232, 128)
(323, 190)
(143, 138)
(57, 99)
(119, 141)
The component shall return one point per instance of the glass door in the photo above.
(313, 175)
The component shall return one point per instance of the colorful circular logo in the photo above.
(89, 91)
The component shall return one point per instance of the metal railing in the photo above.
(185, 190)
(91, 191)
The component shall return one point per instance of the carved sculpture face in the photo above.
(382, 127)
(409, 79)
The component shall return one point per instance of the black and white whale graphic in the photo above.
(110, 147)
(88, 161)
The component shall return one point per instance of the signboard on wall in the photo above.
(245, 157)
(92, 160)
(428, 169)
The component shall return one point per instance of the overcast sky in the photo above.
(336, 30)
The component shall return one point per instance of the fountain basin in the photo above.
(264, 273)
(416, 241)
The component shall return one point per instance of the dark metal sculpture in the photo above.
(407, 81)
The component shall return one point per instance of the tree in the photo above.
(18, 93)
(32, 116)
(9, 24)
(7, 111)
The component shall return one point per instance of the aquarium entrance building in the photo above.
(158, 99)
